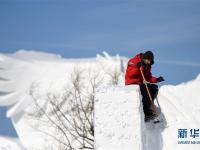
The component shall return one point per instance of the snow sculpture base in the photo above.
(118, 118)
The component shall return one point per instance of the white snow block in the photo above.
(118, 118)
(10, 143)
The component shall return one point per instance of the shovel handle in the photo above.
(150, 97)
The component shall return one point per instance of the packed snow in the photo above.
(45, 73)
(119, 119)
(8, 143)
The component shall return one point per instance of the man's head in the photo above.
(148, 58)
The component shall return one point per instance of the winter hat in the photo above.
(148, 55)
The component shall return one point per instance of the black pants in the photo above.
(153, 89)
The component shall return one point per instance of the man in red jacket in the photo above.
(143, 62)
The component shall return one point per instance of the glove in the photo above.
(160, 79)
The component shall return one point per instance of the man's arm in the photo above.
(149, 77)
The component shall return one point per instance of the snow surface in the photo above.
(7, 143)
(119, 120)
(118, 110)
(47, 73)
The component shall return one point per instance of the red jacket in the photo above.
(133, 74)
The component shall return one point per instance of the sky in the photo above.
(83, 28)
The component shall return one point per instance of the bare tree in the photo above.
(114, 76)
(71, 116)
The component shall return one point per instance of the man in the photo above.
(143, 62)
